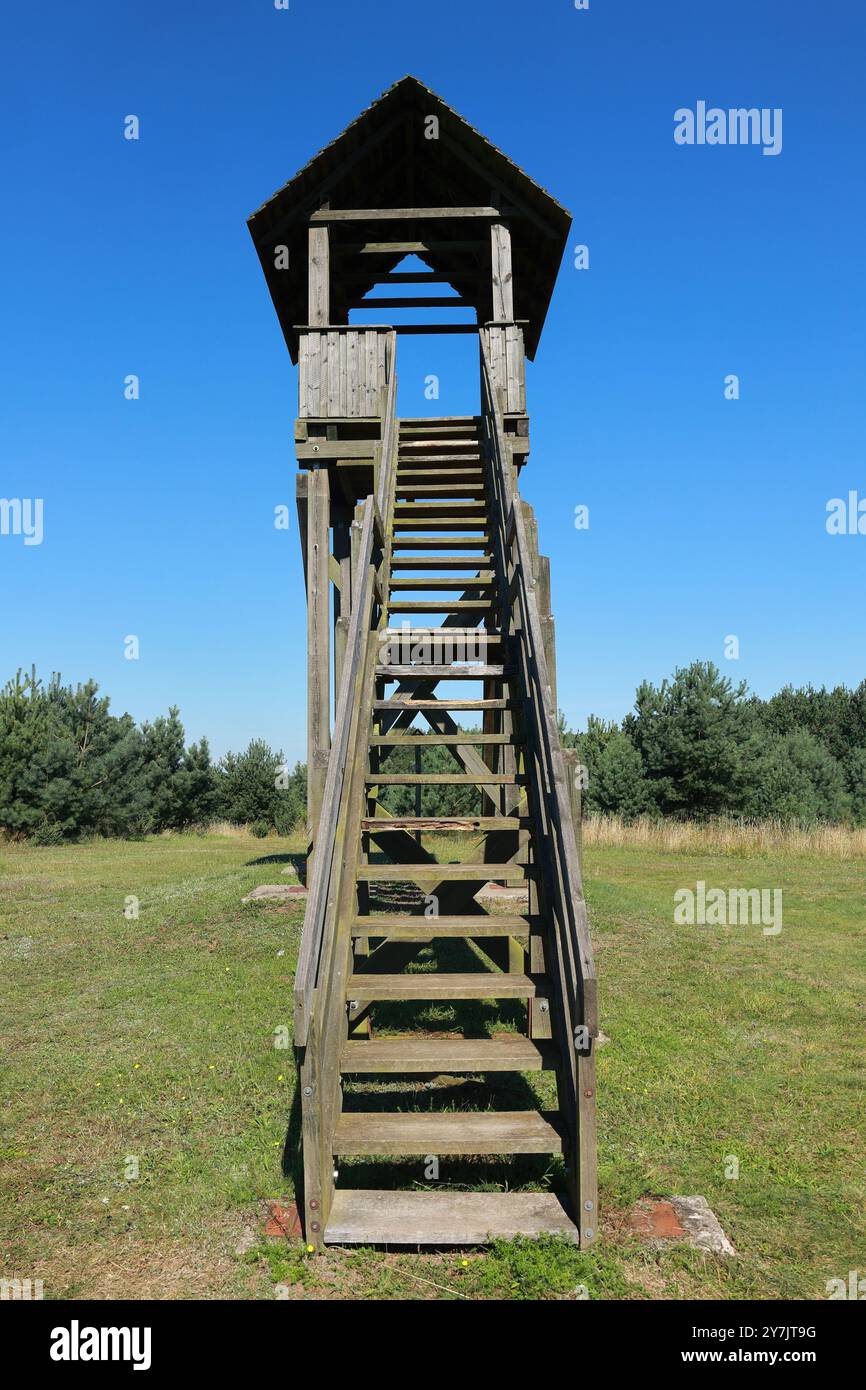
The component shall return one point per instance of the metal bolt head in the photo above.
(588, 1234)
(587, 1206)
(314, 1225)
(543, 1005)
(308, 1090)
(314, 1204)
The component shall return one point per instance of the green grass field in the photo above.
(146, 1104)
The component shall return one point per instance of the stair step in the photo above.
(445, 779)
(423, 446)
(442, 509)
(459, 523)
(462, 736)
(425, 672)
(436, 873)
(433, 605)
(489, 984)
(447, 1132)
(434, 421)
(427, 582)
(434, 543)
(457, 427)
(407, 474)
(447, 634)
(369, 1217)
(421, 492)
(504, 1052)
(482, 825)
(437, 463)
(411, 927)
(443, 704)
(442, 562)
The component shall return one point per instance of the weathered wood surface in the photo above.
(504, 347)
(324, 215)
(432, 873)
(442, 779)
(369, 1217)
(321, 862)
(505, 1052)
(341, 372)
(421, 741)
(487, 985)
(426, 928)
(503, 292)
(448, 1132)
(567, 946)
(319, 275)
(318, 644)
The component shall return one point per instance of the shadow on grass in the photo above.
(411, 1094)
(298, 862)
(532, 1172)
(293, 1160)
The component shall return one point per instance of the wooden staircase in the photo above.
(396, 950)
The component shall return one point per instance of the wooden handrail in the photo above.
(385, 492)
(560, 867)
(323, 868)
(321, 862)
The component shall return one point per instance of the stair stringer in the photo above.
(569, 964)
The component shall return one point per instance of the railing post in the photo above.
(571, 758)
(342, 593)
(318, 644)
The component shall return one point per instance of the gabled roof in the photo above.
(385, 159)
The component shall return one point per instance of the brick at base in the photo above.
(283, 1220)
(656, 1221)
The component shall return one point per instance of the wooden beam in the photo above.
(417, 302)
(318, 448)
(503, 291)
(325, 215)
(571, 758)
(301, 499)
(318, 643)
(319, 307)
(341, 562)
(407, 248)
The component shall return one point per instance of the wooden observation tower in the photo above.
(403, 976)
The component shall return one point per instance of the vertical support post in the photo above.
(309, 1079)
(319, 281)
(318, 644)
(301, 500)
(343, 594)
(547, 625)
(587, 1147)
(501, 274)
(539, 1021)
(575, 796)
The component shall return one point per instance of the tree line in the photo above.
(694, 746)
(697, 746)
(69, 767)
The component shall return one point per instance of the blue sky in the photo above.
(707, 516)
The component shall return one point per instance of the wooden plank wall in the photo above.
(507, 361)
(342, 373)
